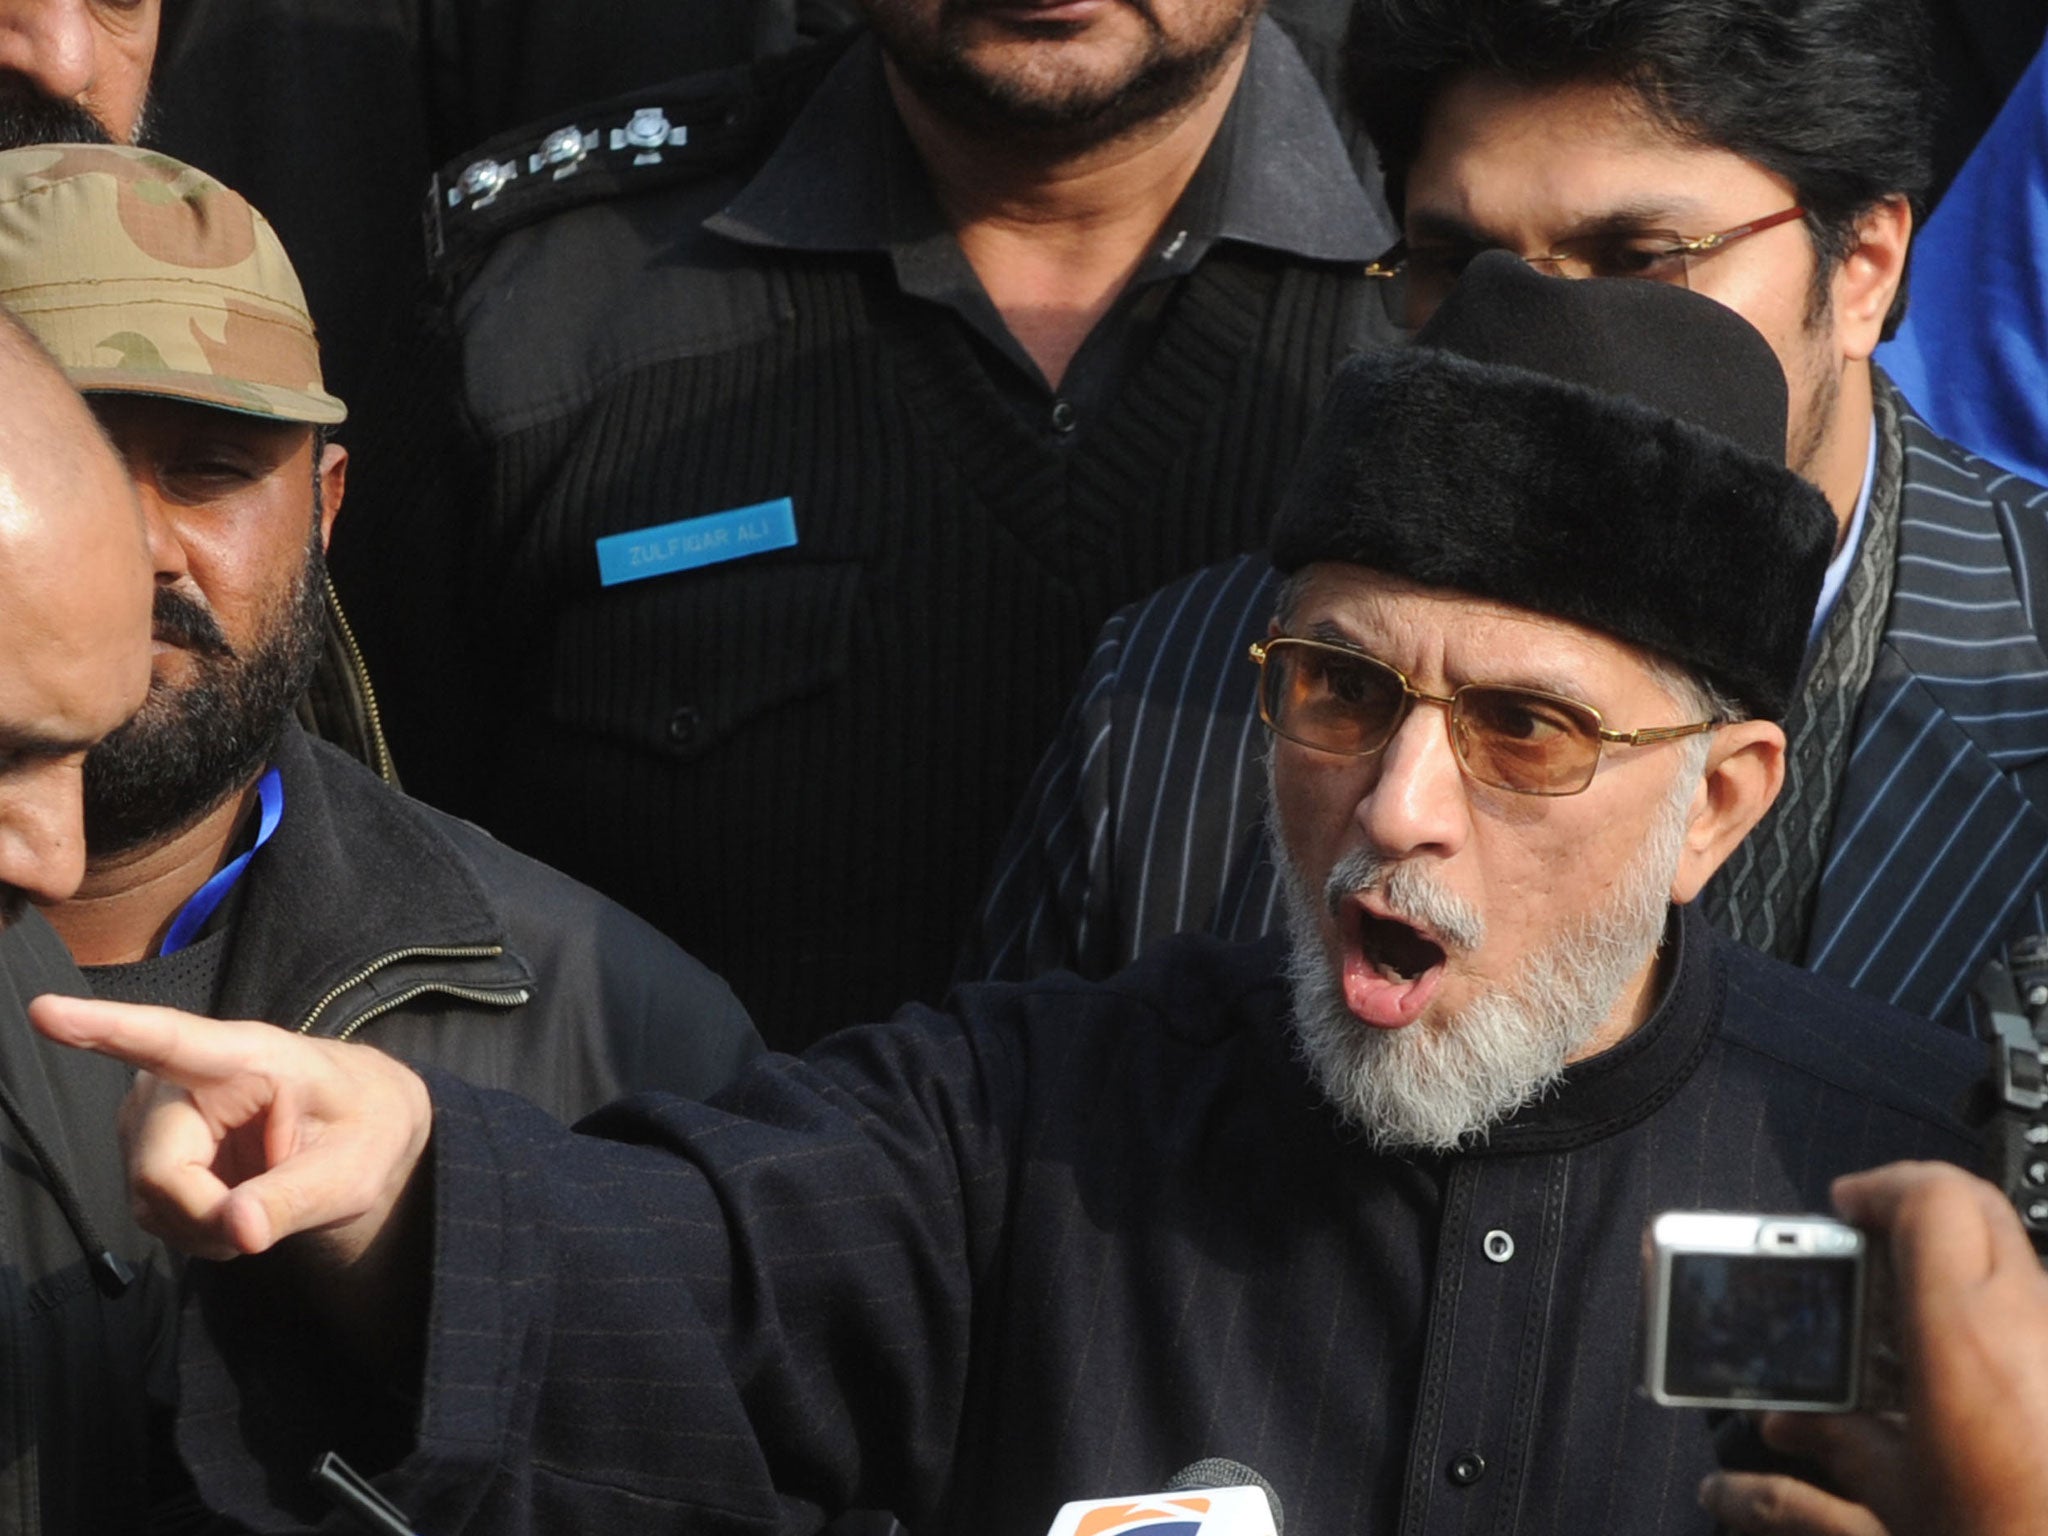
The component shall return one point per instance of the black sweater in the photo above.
(799, 764)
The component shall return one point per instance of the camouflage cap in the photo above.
(145, 276)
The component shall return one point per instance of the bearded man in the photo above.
(232, 860)
(810, 421)
(1375, 1235)
(1768, 156)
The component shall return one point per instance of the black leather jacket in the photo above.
(371, 916)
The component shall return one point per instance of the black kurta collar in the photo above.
(1609, 1093)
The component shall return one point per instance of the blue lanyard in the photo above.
(193, 915)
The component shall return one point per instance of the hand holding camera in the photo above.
(1970, 1307)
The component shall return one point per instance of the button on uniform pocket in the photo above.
(679, 664)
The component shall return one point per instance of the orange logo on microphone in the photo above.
(1154, 1517)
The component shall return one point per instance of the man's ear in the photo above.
(333, 488)
(1745, 770)
(1869, 275)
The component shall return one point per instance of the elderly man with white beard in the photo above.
(1366, 1220)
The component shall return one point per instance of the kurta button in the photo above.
(1063, 417)
(683, 726)
(1498, 1246)
(1466, 1468)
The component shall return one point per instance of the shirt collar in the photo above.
(838, 179)
(1838, 568)
(1278, 175)
(846, 179)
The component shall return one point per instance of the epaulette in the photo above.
(686, 130)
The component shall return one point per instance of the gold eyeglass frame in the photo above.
(1391, 262)
(1603, 736)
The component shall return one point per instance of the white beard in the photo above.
(1442, 1083)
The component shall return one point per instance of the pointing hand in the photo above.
(239, 1135)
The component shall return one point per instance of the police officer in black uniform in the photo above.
(748, 575)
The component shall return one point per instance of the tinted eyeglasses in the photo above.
(1413, 280)
(1340, 700)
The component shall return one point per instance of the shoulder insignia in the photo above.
(686, 130)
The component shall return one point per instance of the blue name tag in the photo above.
(696, 541)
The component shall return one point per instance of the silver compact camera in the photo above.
(1755, 1311)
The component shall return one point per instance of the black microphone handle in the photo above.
(1221, 1472)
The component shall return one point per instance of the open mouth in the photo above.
(1398, 951)
(1391, 969)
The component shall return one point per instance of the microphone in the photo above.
(1221, 1472)
(1210, 1497)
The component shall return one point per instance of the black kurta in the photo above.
(1065, 1244)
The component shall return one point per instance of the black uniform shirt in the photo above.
(798, 761)
(847, 179)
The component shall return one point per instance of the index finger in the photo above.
(182, 1048)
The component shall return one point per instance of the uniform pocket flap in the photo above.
(677, 664)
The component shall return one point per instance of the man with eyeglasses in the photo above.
(1769, 157)
(1363, 1215)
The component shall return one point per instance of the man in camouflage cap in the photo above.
(145, 276)
(157, 289)
(234, 861)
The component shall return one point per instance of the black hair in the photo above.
(1833, 95)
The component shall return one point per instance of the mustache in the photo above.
(27, 116)
(1409, 893)
(182, 621)
(968, 7)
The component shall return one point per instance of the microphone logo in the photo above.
(1154, 1517)
(1194, 1508)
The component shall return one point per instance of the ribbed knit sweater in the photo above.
(800, 764)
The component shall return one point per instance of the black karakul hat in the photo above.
(1607, 451)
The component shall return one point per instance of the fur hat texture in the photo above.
(1606, 451)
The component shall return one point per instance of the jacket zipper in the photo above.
(508, 997)
(378, 745)
(417, 952)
